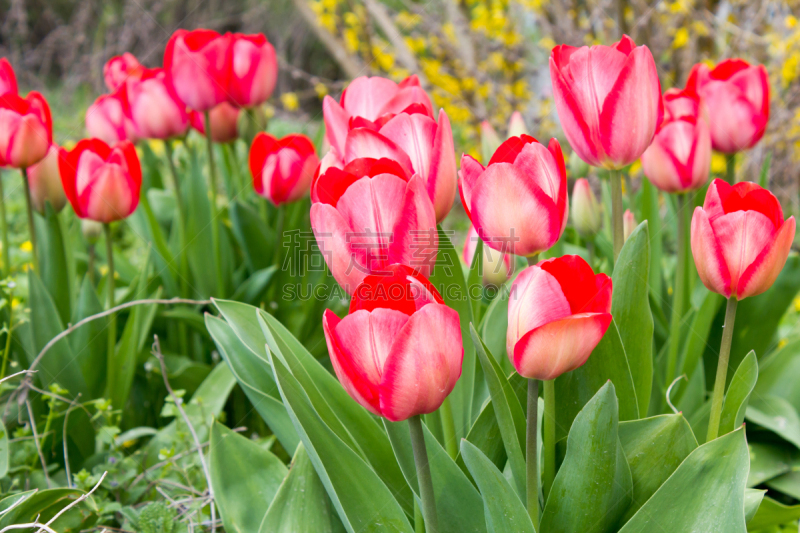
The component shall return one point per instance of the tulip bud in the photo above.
(119, 69)
(155, 109)
(91, 230)
(587, 212)
(254, 70)
(8, 80)
(44, 180)
(516, 125)
(108, 118)
(490, 140)
(198, 65)
(282, 169)
(578, 168)
(399, 351)
(740, 240)
(628, 223)
(224, 122)
(496, 268)
(26, 129)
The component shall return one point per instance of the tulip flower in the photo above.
(679, 159)
(26, 129)
(8, 80)
(101, 182)
(737, 96)
(224, 121)
(518, 203)
(45, 183)
(578, 168)
(120, 69)
(399, 352)
(108, 118)
(496, 268)
(516, 125)
(370, 215)
(254, 70)
(155, 109)
(586, 210)
(629, 223)
(198, 65)
(282, 169)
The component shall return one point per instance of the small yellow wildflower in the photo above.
(790, 21)
(290, 101)
(26, 246)
(681, 38)
(718, 164)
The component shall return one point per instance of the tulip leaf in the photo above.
(788, 484)
(752, 501)
(253, 236)
(654, 447)
(502, 506)
(509, 412)
(144, 222)
(778, 374)
(630, 307)
(243, 320)
(53, 267)
(255, 377)
(475, 281)
(90, 342)
(738, 393)
(253, 288)
(301, 504)
(458, 502)
(42, 505)
(494, 327)
(593, 487)
(777, 415)
(364, 503)
(3, 450)
(772, 513)
(245, 478)
(705, 494)
(651, 213)
(607, 362)
(770, 460)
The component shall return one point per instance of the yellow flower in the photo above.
(790, 21)
(157, 146)
(321, 90)
(797, 304)
(26, 246)
(290, 101)
(718, 164)
(351, 40)
(782, 343)
(636, 167)
(547, 43)
(15, 303)
(681, 38)
(790, 69)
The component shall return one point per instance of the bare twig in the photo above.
(42, 527)
(17, 374)
(16, 503)
(403, 52)
(73, 503)
(32, 422)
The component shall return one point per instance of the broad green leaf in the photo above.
(3, 450)
(253, 288)
(502, 506)
(777, 415)
(494, 327)
(752, 501)
(630, 306)
(244, 321)
(90, 342)
(607, 363)
(593, 487)
(54, 272)
(769, 460)
(245, 478)
(771, 513)
(704, 495)
(43, 504)
(738, 393)
(507, 409)
(364, 503)
(144, 222)
(301, 504)
(778, 373)
(254, 375)
(788, 484)
(458, 503)
(475, 282)
(654, 447)
(253, 235)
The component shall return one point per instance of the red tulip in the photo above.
(224, 122)
(108, 118)
(8, 80)
(101, 182)
(586, 210)
(26, 129)
(558, 310)
(399, 352)
(120, 69)
(370, 215)
(282, 169)
(740, 241)
(679, 159)
(198, 64)
(608, 99)
(155, 109)
(44, 180)
(737, 96)
(254, 70)
(497, 267)
(518, 203)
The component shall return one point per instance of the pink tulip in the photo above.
(740, 241)
(8, 80)
(108, 118)
(370, 215)
(282, 169)
(44, 180)
(155, 109)
(628, 223)
(737, 96)
(101, 182)
(26, 129)
(496, 268)
(558, 310)
(120, 69)
(586, 210)
(518, 203)
(608, 99)
(198, 65)
(679, 159)
(224, 122)
(254, 70)
(399, 352)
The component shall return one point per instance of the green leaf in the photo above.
(54, 270)
(777, 415)
(705, 494)
(245, 478)
(254, 287)
(763, 177)
(738, 393)
(253, 235)
(364, 503)
(90, 342)
(145, 223)
(507, 409)
(593, 487)
(654, 447)
(301, 504)
(494, 327)
(3, 450)
(778, 374)
(752, 501)
(244, 321)
(788, 484)
(651, 213)
(502, 506)
(771, 513)
(769, 460)
(43, 504)
(607, 363)
(630, 306)
(475, 281)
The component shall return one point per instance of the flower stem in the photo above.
(212, 172)
(279, 222)
(112, 319)
(423, 474)
(9, 331)
(31, 226)
(722, 370)
(532, 259)
(419, 522)
(677, 293)
(449, 429)
(531, 453)
(6, 254)
(549, 436)
(730, 168)
(617, 211)
(183, 265)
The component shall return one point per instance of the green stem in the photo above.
(279, 234)
(423, 474)
(549, 436)
(677, 293)
(730, 168)
(722, 370)
(449, 428)
(212, 172)
(183, 264)
(532, 259)
(31, 226)
(9, 329)
(6, 254)
(532, 454)
(617, 211)
(112, 318)
(419, 522)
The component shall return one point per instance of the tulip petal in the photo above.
(560, 346)
(468, 175)
(442, 179)
(406, 96)
(708, 256)
(414, 135)
(423, 365)
(366, 97)
(742, 236)
(363, 142)
(764, 270)
(334, 238)
(541, 168)
(336, 124)
(415, 239)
